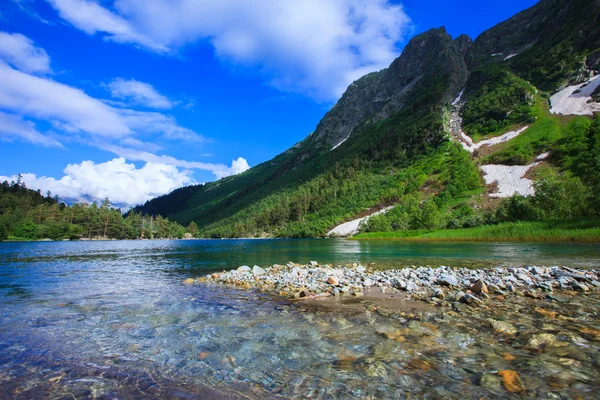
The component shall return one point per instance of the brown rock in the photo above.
(333, 281)
(479, 287)
(511, 381)
(546, 313)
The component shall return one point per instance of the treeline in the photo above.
(27, 214)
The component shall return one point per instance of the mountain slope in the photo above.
(386, 140)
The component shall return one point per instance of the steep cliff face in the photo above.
(378, 95)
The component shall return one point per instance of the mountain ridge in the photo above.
(387, 122)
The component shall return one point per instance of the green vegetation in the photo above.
(27, 215)
(554, 231)
(540, 137)
(569, 190)
(308, 189)
(497, 99)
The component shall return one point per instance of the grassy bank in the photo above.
(551, 231)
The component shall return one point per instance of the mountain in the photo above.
(401, 136)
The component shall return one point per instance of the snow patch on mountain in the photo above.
(468, 144)
(509, 178)
(576, 99)
(351, 227)
(339, 144)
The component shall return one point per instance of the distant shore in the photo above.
(540, 232)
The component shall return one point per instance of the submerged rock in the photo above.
(511, 381)
(503, 327)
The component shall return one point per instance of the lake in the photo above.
(112, 319)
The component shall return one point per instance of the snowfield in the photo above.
(455, 102)
(510, 179)
(468, 144)
(576, 99)
(339, 144)
(351, 227)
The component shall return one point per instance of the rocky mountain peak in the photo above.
(378, 95)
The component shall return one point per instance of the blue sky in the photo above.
(129, 99)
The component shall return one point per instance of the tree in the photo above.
(193, 229)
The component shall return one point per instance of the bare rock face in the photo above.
(378, 95)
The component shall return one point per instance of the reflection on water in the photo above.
(112, 319)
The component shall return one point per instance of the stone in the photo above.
(360, 269)
(581, 287)
(472, 300)
(411, 286)
(314, 264)
(479, 287)
(358, 294)
(511, 381)
(333, 280)
(447, 280)
(368, 282)
(540, 341)
(503, 327)
(244, 268)
(525, 279)
(188, 281)
(399, 284)
(439, 293)
(258, 271)
(490, 382)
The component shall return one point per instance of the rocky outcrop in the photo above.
(378, 95)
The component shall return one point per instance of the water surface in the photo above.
(113, 320)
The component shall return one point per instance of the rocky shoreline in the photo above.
(435, 285)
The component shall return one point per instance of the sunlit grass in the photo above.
(552, 231)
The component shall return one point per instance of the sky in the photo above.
(131, 99)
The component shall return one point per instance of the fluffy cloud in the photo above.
(121, 182)
(20, 52)
(219, 170)
(139, 93)
(316, 47)
(14, 127)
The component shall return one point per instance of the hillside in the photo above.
(404, 137)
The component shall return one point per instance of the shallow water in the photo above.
(113, 319)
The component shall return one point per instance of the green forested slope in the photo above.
(399, 150)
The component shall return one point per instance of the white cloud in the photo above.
(14, 127)
(47, 99)
(139, 93)
(20, 52)
(73, 111)
(90, 17)
(316, 47)
(219, 170)
(122, 183)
